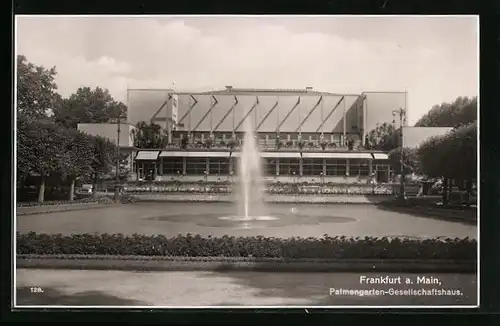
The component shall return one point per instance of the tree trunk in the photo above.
(94, 185)
(71, 190)
(41, 190)
(445, 191)
(468, 186)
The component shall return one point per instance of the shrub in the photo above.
(86, 200)
(257, 246)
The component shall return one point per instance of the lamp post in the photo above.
(347, 182)
(402, 113)
(117, 176)
(178, 179)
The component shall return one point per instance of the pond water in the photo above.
(217, 219)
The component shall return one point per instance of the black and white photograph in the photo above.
(235, 161)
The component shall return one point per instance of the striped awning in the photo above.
(380, 156)
(147, 155)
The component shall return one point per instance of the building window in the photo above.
(218, 166)
(336, 167)
(359, 167)
(171, 165)
(270, 166)
(289, 166)
(312, 167)
(196, 166)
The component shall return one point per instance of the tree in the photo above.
(410, 160)
(149, 136)
(383, 138)
(452, 156)
(460, 112)
(103, 158)
(77, 159)
(88, 106)
(40, 149)
(36, 89)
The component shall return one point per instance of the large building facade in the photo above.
(332, 128)
(306, 112)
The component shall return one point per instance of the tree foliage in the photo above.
(149, 136)
(40, 147)
(78, 154)
(452, 156)
(103, 157)
(460, 112)
(88, 106)
(36, 88)
(50, 148)
(383, 138)
(411, 162)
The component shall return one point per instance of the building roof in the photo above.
(268, 91)
(413, 137)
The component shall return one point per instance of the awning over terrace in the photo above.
(338, 155)
(319, 155)
(226, 154)
(147, 155)
(194, 154)
(380, 156)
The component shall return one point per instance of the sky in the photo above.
(435, 59)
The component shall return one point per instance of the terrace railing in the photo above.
(266, 145)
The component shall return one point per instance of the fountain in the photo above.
(250, 179)
(250, 201)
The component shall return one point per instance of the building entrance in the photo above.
(147, 170)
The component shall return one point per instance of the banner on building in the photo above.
(175, 108)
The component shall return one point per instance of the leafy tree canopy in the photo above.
(78, 154)
(411, 161)
(88, 106)
(383, 138)
(36, 89)
(453, 155)
(149, 136)
(459, 113)
(104, 156)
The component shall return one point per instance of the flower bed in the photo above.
(257, 246)
(274, 189)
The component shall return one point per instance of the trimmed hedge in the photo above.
(86, 200)
(258, 246)
(124, 199)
